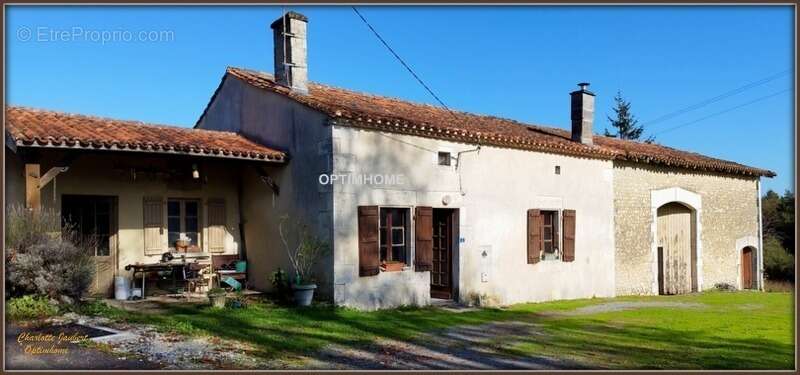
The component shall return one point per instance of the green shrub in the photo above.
(30, 307)
(44, 257)
(51, 267)
(778, 263)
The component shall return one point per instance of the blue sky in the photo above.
(516, 62)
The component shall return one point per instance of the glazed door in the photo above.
(94, 219)
(442, 271)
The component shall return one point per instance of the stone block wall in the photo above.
(729, 213)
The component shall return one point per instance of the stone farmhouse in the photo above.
(417, 202)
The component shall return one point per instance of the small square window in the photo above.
(444, 158)
(558, 169)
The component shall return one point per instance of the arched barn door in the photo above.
(676, 252)
(748, 268)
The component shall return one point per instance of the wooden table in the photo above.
(145, 268)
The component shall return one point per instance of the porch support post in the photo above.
(32, 195)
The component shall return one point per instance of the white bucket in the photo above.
(122, 286)
(136, 292)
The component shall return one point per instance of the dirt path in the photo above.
(631, 305)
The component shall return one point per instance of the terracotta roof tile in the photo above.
(35, 127)
(394, 115)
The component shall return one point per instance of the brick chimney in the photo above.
(582, 114)
(289, 34)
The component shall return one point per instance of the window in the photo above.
(394, 234)
(550, 234)
(558, 169)
(183, 219)
(444, 158)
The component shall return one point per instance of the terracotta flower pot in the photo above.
(393, 266)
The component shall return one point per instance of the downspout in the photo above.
(760, 238)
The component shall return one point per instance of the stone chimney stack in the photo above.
(289, 34)
(582, 114)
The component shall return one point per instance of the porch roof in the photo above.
(28, 127)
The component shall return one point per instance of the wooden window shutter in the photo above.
(535, 228)
(568, 251)
(423, 255)
(153, 211)
(368, 254)
(217, 225)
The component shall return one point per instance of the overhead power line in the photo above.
(400, 59)
(716, 98)
(759, 99)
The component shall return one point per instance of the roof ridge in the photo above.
(404, 116)
(398, 99)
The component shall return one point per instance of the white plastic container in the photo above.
(136, 292)
(122, 287)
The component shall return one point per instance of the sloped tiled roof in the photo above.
(43, 128)
(352, 108)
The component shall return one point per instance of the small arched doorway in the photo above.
(677, 256)
(748, 268)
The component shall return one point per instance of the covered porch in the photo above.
(161, 204)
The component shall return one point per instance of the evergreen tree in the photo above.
(625, 123)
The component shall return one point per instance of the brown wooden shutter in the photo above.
(368, 253)
(423, 255)
(153, 211)
(568, 252)
(535, 228)
(217, 225)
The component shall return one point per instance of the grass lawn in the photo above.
(744, 330)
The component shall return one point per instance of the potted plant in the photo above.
(303, 256)
(217, 297)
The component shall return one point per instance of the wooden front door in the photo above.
(747, 268)
(675, 242)
(94, 219)
(442, 262)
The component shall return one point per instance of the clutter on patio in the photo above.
(182, 275)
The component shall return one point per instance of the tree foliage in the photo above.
(626, 124)
(777, 213)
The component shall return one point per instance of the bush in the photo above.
(30, 307)
(44, 258)
(778, 263)
(280, 285)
